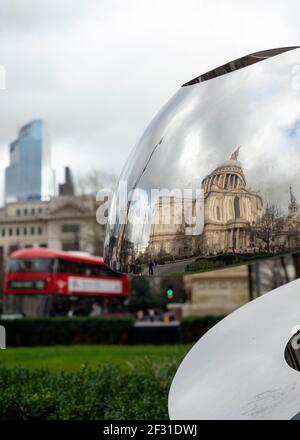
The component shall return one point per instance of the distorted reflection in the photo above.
(195, 201)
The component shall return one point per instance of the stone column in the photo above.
(237, 238)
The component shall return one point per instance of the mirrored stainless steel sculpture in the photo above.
(215, 179)
(247, 366)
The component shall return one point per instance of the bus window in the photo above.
(67, 266)
(102, 271)
(71, 266)
(88, 269)
(95, 269)
(31, 265)
(105, 271)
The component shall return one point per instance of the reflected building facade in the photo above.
(236, 220)
(231, 213)
(29, 175)
(167, 234)
(288, 236)
(231, 210)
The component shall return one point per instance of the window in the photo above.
(67, 266)
(40, 230)
(25, 211)
(31, 265)
(237, 207)
(105, 271)
(25, 231)
(18, 211)
(89, 269)
(3, 232)
(70, 228)
(10, 232)
(40, 210)
(43, 245)
(17, 231)
(32, 230)
(32, 211)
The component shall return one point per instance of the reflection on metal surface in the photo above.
(214, 180)
(296, 417)
(292, 352)
(239, 64)
(237, 370)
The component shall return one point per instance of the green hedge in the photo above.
(113, 330)
(108, 393)
(223, 260)
(51, 331)
(193, 327)
(203, 265)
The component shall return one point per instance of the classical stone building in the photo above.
(62, 223)
(167, 234)
(231, 212)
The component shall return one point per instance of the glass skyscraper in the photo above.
(29, 175)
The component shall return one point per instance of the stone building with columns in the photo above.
(62, 223)
(167, 234)
(231, 212)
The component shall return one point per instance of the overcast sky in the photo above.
(97, 71)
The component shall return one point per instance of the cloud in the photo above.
(98, 71)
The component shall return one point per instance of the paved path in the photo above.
(169, 268)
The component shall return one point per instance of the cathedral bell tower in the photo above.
(293, 206)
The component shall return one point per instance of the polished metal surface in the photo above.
(214, 180)
(238, 369)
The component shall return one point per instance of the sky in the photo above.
(97, 71)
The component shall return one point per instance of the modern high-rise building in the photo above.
(67, 188)
(29, 175)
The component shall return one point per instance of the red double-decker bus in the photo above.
(40, 272)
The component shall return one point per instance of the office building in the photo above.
(29, 175)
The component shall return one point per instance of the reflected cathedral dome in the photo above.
(230, 210)
(188, 197)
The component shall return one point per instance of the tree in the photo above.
(90, 183)
(270, 226)
(92, 238)
(88, 186)
(144, 296)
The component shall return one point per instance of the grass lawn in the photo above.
(72, 357)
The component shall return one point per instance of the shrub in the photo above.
(106, 393)
(193, 327)
(51, 331)
(144, 296)
(204, 264)
(228, 259)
